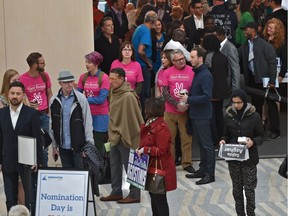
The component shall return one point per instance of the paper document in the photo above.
(27, 150)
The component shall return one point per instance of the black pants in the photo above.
(11, 188)
(159, 204)
(273, 115)
(217, 122)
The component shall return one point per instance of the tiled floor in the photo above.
(212, 199)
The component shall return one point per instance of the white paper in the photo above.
(265, 81)
(220, 154)
(27, 150)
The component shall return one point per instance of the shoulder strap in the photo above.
(84, 79)
(100, 78)
(44, 78)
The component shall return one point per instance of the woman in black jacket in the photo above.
(242, 120)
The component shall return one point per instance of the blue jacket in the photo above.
(200, 94)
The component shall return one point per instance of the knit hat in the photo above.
(241, 94)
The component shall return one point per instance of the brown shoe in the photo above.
(128, 200)
(111, 197)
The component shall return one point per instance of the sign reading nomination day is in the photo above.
(62, 193)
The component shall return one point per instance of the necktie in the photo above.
(251, 57)
(119, 16)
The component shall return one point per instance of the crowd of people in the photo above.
(162, 72)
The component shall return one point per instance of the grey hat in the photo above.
(65, 76)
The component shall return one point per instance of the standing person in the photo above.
(119, 19)
(242, 120)
(257, 59)
(124, 133)
(71, 122)
(18, 119)
(95, 85)
(156, 142)
(38, 91)
(132, 68)
(107, 44)
(246, 17)
(200, 114)
(218, 66)
(231, 52)
(278, 12)
(176, 80)
(9, 77)
(166, 63)
(163, 11)
(142, 42)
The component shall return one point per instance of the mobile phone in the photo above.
(55, 157)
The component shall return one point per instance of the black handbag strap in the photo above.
(267, 92)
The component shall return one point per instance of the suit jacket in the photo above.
(230, 51)
(119, 30)
(166, 16)
(28, 124)
(190, 28)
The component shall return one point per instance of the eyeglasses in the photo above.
(237, 103)
(126, 50)
(179, 60)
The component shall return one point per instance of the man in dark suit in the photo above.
(194, 22)
(18, 119)
(163, 11)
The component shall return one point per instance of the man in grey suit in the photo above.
(231, 52)
(18, 119)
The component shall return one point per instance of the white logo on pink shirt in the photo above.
(37, 98)
(178, 88)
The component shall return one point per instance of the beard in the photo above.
(40, 70)
(15, 102)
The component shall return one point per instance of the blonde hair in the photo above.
(279, 36)
(6, 80)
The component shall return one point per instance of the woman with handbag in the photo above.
(242, 120)
(156, 142)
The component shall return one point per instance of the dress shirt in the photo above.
(222, 43)
(67, 102)
(199, 23)
(15, 114)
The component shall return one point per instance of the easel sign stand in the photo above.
(64, 192)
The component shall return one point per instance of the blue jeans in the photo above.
(69, 159)
(202, 131)
(44, 123)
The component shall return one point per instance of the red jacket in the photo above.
(157, 137)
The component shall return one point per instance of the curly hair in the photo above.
(279, 35)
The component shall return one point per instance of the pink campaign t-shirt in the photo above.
(133, 71)
(35, 89)
(91, 89)
(177, 80)
(160, 77)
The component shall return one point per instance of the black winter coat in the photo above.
(250, 126)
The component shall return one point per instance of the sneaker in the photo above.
(273, 136)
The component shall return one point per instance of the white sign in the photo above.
(62, 193)
(27, 150)
(236, 152)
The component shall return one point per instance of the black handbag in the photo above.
(45, 138)
(283, 168)
(155, 182)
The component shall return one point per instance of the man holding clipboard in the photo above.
(16, 120)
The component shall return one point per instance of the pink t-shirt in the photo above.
(160, 77)
(91, 89)
(35, 89)
(133, 71)
(177, 80)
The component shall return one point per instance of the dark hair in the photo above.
(104, 19)
(154, 107)
(195, 2)
(167, 53)
(277, 2)
(179, 35)
(220, 31)
(33, 58)
(143, 11)
(17, 84)
(119, 71)
(200, 52)
(174, 25)
(198, 35)
(123, 45)
(163, 29)
(207, 17)
(211, 43)
(245, 5)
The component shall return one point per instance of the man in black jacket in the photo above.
(258, 61)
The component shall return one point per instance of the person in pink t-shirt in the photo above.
(166, 63)
(95, 86)
(38, 90)
(178, 80)
(132, 68)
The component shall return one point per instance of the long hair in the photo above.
(279, 36)
(6, 81)
(245, 5)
